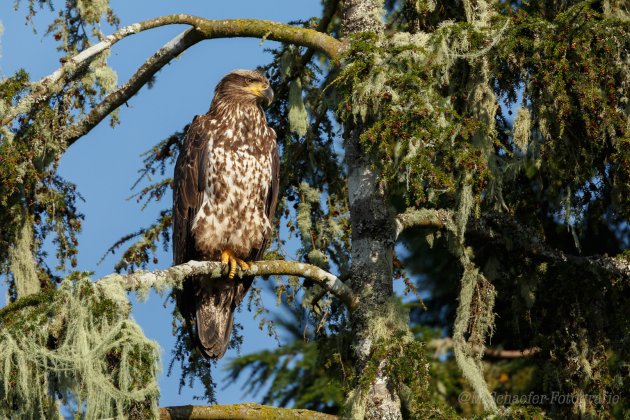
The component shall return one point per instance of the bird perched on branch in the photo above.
(224, 198)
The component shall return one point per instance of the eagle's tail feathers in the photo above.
(215, 317)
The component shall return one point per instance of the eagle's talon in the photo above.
(230, 260)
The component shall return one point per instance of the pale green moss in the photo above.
(91, 11)
(298, 117)
(78, 343)
(100, 74)
(23, 264)
(522, 128)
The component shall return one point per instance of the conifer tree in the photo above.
(477, 150)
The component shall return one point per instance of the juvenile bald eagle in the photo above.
(224, 198)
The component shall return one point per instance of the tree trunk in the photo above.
(373, 240)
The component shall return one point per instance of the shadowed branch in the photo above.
(505, 231)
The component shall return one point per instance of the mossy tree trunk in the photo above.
(373, 240)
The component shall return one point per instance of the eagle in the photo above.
(225, 191)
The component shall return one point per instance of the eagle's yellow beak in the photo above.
(262, 91)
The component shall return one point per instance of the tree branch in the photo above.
(244, 411)
(174, 276)
(205, 28)
(510, 354)
(502, 229)
(49, 85)
(427, 218)
(507, 232)
(146, 71)
(330, 9)
(442, 345)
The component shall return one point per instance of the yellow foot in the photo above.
(228, 258)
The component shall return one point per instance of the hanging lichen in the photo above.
(23, 264)
(100, 74)
(475, 319)
(522, 128)
(298, 117)
(76, 346)
(420, 136)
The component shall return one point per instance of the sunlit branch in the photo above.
(203, 28)
(427, 218)
(148, 69)
(174, 276)
(244, 411)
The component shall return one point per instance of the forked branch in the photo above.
(203, 29)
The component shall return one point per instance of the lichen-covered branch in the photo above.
(243, 411)
(203, 28)
(174, 276)
(428, 218)
(53, 83)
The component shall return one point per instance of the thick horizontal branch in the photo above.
(204, 28)
(245, 411)
(505, 231)
(442, 345)
(174, 276)
(502, 229)
(426, 218)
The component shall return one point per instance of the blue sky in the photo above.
(104, 163)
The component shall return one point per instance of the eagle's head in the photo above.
(245, 87)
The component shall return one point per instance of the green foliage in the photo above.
(305, 373)
(575, 81)
(419, 136)
(31, 145)
(28, 182)
(427, 94)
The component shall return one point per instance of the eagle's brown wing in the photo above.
(188, 188)
(270, 204)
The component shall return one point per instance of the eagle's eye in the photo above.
(249, 80)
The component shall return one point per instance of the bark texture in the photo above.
(362, 16)
(374, 234)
